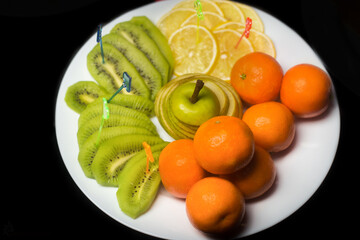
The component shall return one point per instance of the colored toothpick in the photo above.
(105, 116)
(106, 113)
(246, 32)
(149, 155)
(200, 16)
(99, 40)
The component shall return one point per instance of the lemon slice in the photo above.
(231, 25)
(207, 6)
(260, 41)
(248, 11)
(228, 54)
(231, 11)
(192, 56)
(211, 20)
(172, 20)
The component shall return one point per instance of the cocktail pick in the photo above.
(106, 113)
(149, 155)
(200, 16)
(99, 40)
(126, 84)
(105, 116)
(246, 32)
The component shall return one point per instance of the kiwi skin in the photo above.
(143, 42)
(138, 189)
(135, 102)
(113, 155)
(147, 71)
(89, 148)
(92, 126)
(82, 93)
(109, 74)
(95, 110)
(158, 37)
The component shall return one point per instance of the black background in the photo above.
(38, 41)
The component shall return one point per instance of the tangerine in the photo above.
(223, 144)
(305, 90)
(257, 78)
(215, 205)
(272, 124)
(178, 168)
(257, 177)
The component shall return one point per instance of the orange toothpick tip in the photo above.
(149, 155)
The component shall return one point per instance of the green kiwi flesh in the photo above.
(94, 110)
(89, 149)
(93, 125)
(137, 188)
(82, 93)
(155, 34)
(135, 102)
(109, 74)
(135, 35)
(147, 71)
(113, 155)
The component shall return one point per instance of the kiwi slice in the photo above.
(135, 35)
(89, 149)
(135, 102)
(147, 71)
(82, 93)
(137, 188)
(94, 110)
(113, 154)
(159, 38)
(93, 125)
(109, 74)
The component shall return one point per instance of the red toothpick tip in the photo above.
(246, 32)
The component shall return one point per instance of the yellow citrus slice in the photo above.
(228, 54)
(192, 56)
(248, 11)
(231, 25)
(231, 11)
(207, 6)
(260, 41)
(171, 21)
(211, 20)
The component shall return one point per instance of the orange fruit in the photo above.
(272, 124)
(257, 177)
(223, 144)
(257, 78)
(215, 205)
(305, 90)
(178, 168)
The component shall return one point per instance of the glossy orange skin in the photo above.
(215, 205)
(178, 167)
(306, 90)
(257, 177)
(257, 78)
(223, 145)
(272, 124)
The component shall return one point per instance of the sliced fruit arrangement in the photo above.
(198, 108)
(139, 182)
(82, 93)
(221, 93)
(218, 33)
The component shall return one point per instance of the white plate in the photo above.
(300, 170)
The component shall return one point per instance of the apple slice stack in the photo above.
(229, 103)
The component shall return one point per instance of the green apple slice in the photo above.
(230, 103)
